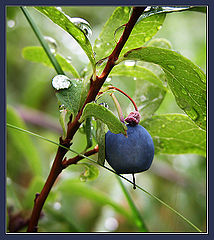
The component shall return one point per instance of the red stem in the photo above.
(57, 166)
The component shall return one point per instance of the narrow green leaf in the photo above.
(100, 136)
(137, 72)
(186, 80)
(105, 115)
(23, 142)
(176, 134)
(37, 54)
(91, 172)
(142, 32)
(71, 96)
(62, 20)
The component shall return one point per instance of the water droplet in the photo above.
(51, 43)
(182, 103)
(159, 27)
(107, 44)
(61, 82)
(130, 63)
(205, 118)
(135, 78)
(184, 91)
(108, 79)
(69, 59)
(11, 23)
(171, 67)
(59, 9)
(57, 205)
(81, 24)
(163, 126)
(147, 9)
(192, 113)
(111, 224)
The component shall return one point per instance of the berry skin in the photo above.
(131, 154)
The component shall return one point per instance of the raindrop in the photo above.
(11, 23)
(205, 118)
(82, 24)
(192, 113)
(57, 205)
(171, 67)
(130, 63)
(163, 126)
(182, 103)
(147, 9)
(108, 79)
(61, 82)
(69, 59)
(159, 27)
(111, 224)
(135, 78)
(108, 44)
(59, 9)
(51, 43)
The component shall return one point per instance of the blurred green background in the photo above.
(99, 205)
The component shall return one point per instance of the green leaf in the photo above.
(62, 20)
(71, 97)
(176, 134)
(37, 54)
(154, 10)
(137, 72)
(23, 142)
(91, 172)
(142, 32)
(105, 115)
(186, 80)
(100, 136)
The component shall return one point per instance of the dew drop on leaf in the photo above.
(51, 43)
(61, 82)
(163, 126)
(82, 24)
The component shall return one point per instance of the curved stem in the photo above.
(118, 107)
(119, 90)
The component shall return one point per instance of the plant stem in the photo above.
(74, 126)
(42, 41)
(118, 107)
(139, 220)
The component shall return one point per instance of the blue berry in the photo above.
(131, 154)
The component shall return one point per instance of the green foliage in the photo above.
(59, 18)
(71, 97)
(142, 32)
(91, 172)
(105, 115)
(186, 80)
(37, 54)
(176, 134)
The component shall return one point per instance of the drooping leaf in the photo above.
(154, 10)
(62, 20)
(23, 142)
(91, 172)
(71, 97)
(175, 134)
(105, 115)
(37, 54)
(186, 80)
(137, 72)
(142, 32)
(100, 136)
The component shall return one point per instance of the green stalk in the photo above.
(90, 159)
(138, 218)
(42, 41)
